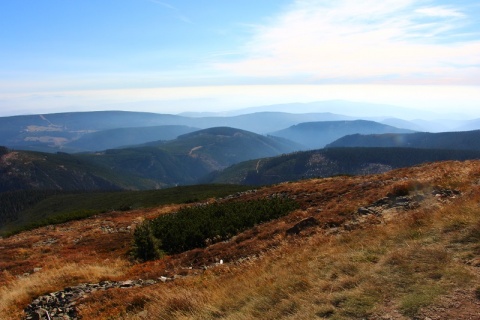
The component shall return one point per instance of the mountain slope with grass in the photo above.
(399, 245)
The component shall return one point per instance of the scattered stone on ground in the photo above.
(62, 304)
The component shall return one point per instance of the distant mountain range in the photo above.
(348, 108)
(412, 119)
(207, 156)
(123, 137)
(93, 131)
(79, 131)
(52, 132)
(467, 140)
(315, 135)
(181, 161)
(117, 150)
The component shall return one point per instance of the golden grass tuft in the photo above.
(20, 291)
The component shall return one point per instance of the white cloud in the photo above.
(442, 12)
(350, 41)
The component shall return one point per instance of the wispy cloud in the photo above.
(442, 12)
(350, 41)
(164, 4)
(178, 15)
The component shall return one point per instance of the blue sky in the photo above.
(174, 56)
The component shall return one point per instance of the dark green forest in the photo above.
(27, 209)
(199, 226)
(464, 140)
(331, 162)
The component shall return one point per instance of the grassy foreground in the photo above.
(406, 264)
(399, 270)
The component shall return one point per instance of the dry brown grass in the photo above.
(399, 266)
(19, 291)
(349, 276)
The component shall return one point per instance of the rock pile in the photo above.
(62, 304)
(405, 202)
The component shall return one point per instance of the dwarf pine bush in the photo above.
(145, 245)
(195, 227)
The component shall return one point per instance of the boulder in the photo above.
(302, 225)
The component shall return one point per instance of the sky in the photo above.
(176, 56)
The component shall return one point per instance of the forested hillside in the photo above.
(181, 161)
(27, 209)
(331, 162)
(26, 170)
(223, 146)
(463, 140)
(122, 137)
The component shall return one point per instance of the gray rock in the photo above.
(302, 225)
(62, 304)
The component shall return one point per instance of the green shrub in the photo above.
(145, 245)
(195, 227)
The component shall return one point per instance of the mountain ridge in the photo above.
(157, 165)
(331, 162)
(463, 140)
(316, 135)
(54, 132)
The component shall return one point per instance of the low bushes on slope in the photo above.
(29, 209)
(195, 227)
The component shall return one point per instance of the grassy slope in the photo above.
(416, 262)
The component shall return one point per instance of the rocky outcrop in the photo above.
(302, 225)
(62, 304)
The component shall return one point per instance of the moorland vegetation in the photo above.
(403, 244)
